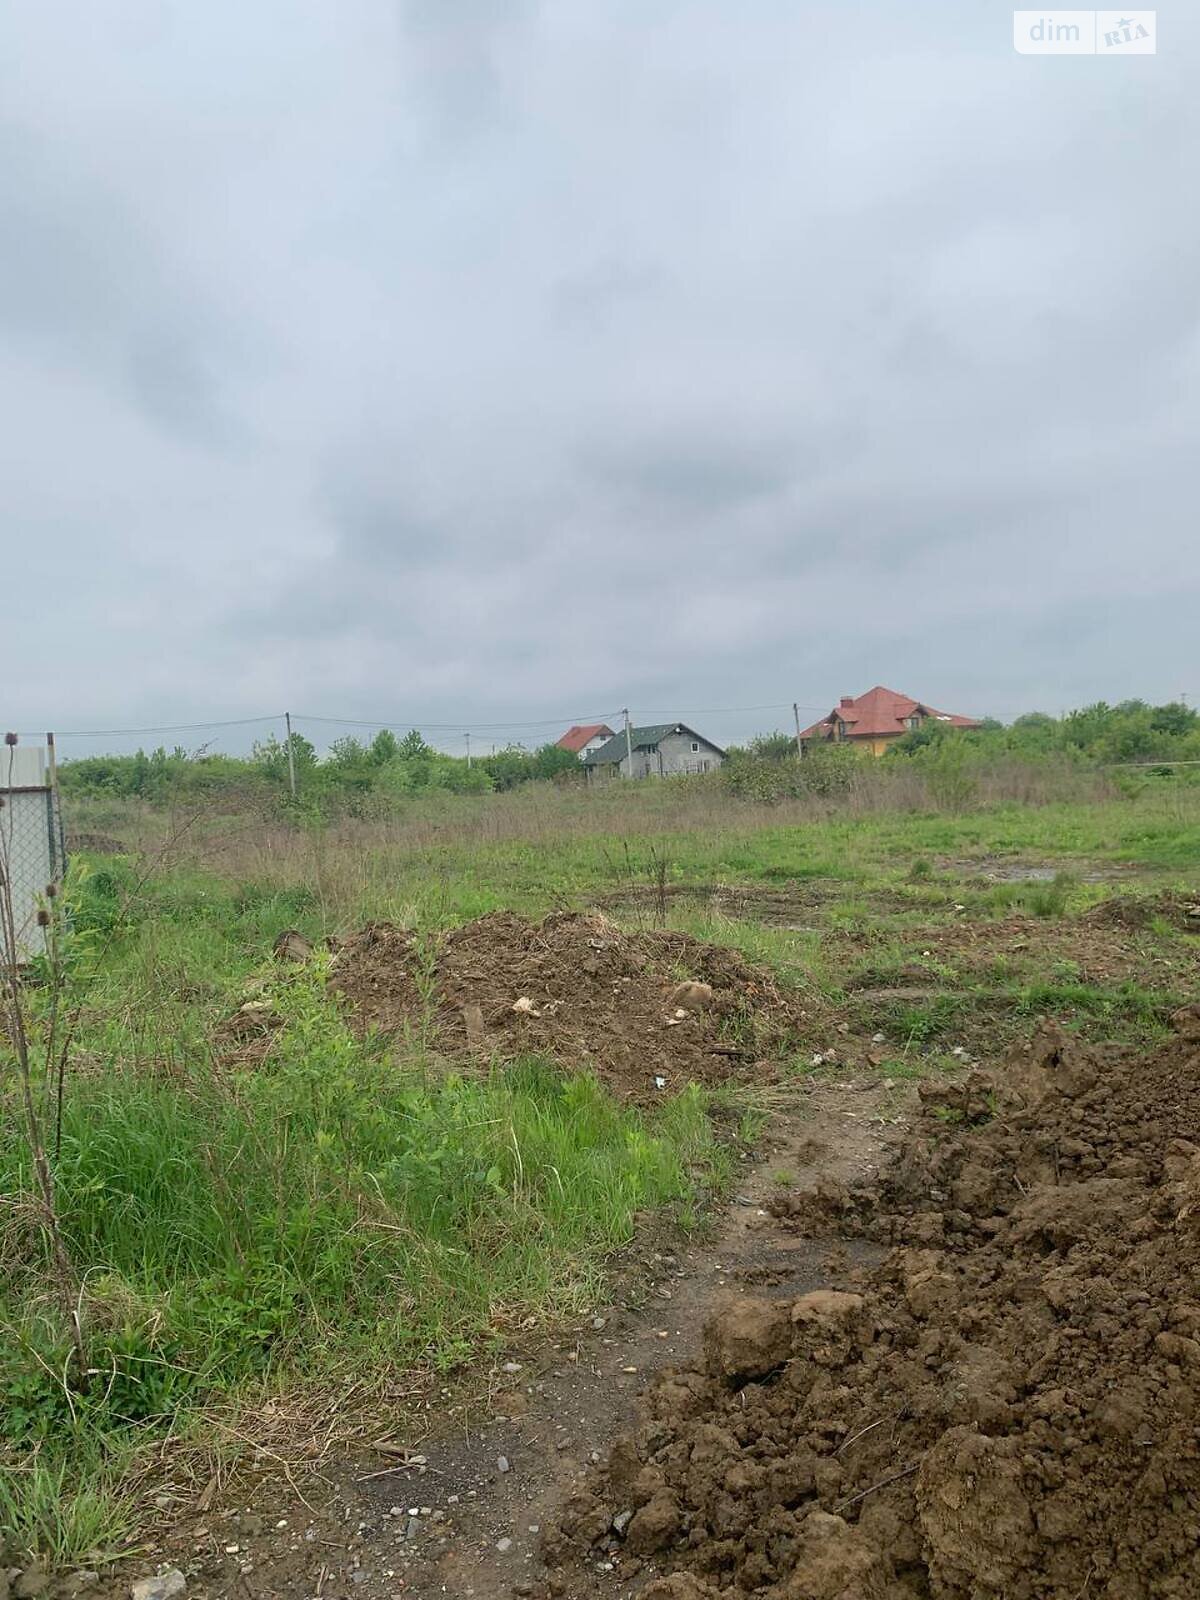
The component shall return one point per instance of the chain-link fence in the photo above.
(32, 846)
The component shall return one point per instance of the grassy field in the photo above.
(366, 1211)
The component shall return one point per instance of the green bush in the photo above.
(825, 769)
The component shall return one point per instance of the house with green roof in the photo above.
(662, 750)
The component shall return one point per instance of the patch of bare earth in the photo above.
(1097, 945)
(798, 906)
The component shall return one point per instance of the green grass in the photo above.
(914, 1065)
(1038, 899)
(923, 1025)
(345, 1210)
(441, 876)
(998, 1013)
(63, 1514)
(333, 1210)
(1124, 1011)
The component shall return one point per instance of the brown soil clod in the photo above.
(1007, 1407)
(292, 945)
(692, 996)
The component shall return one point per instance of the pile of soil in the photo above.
(1007, 1408)
(1139, 911)
(576, 987)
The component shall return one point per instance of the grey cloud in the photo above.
(79, 276)
(456, 66)
(172, 383)
(702, 472)
(379, 530)
(591, 295)
(493, 360)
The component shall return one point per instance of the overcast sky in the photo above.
(484, 361)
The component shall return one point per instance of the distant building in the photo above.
(875, 719)
(584, 737)
(663, 750)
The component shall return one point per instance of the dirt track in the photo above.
(565, 1405)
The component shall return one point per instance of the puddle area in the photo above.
(993, 870)
(802, 907)
(796, 908)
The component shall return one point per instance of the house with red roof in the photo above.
(876, 718)
(584, 737)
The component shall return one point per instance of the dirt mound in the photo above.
(1010, 1408)
(576, 987)
(1139, 911)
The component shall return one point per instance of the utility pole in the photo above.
(628, 742)
(58, 839)
(799, 745)
(287, 717)
(468, 752)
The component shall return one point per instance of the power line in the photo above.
(544, 722)
(445, 727)
(729, 711)
(166, 727)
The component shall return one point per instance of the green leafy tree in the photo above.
(549, 761)
(272, 756)
(929, 734)
(1175, 719)
(347, 752)
(385, 747)
(508, 767)
(413, 746)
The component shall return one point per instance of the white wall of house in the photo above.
(676, 754)
(684, 752)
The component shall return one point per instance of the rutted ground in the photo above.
(1007, 1407)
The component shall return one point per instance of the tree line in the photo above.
(1131, 733)
(386, 767)
(356, 775)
